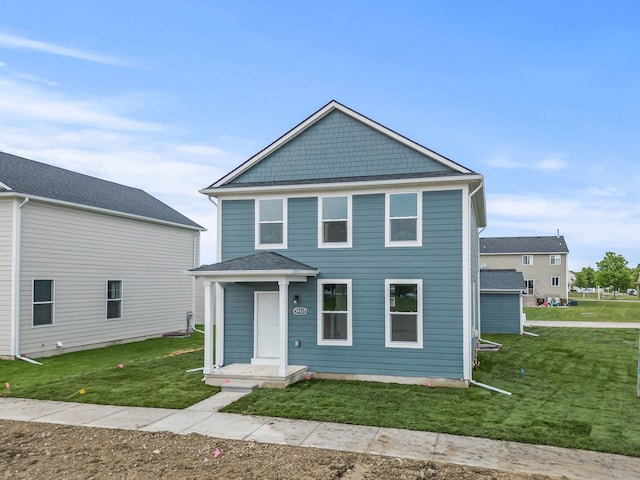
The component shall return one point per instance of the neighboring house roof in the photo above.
(501, 280)
(24, 177)
(507, 245)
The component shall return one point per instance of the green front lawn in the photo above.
(573, 388)
(589, 310)
(152, 373)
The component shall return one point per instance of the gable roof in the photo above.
(261, 261)
(439, 165)
(501, 280)
(506, 245)
(24, 177)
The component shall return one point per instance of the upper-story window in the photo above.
(527, 259)
(403, 222)
(271, 223)
(555, 260)
(334, 226)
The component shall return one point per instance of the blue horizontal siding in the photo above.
(368, 263)
(500, 313)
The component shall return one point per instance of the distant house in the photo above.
(85, 262)
(542, 261)
(501, 301)
(347, 250)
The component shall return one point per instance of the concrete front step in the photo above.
(239, 386)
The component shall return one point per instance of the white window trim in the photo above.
(556, 277)
(526, 287)
(387, 314)
(387, 222)
(342, 343)
(107, 300)
(527, 256)
(52, 302)
(321, 243)
(551, 257)
(271, 246)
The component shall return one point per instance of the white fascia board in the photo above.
(113, 213)
(5, 186)
(501, 290)
(361, 187)
(331, 106)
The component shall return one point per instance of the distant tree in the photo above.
(613, 272)
(585, 278)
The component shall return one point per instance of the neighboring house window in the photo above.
(42, 302)
(334, 228)
(271, 223)
(555, 260)
(403, 219)
(114, 299)
(555, 281)
(529, 287)
(527, 259)
(334, 312)
(403, 322)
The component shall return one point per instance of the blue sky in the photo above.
(542, 98)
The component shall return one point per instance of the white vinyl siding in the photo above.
(403, 313)
(403, 219)
(82, 250)
(6, 284)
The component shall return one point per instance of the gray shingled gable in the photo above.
(506, 279)
(28, 177)
(498, 245)
(261, 261)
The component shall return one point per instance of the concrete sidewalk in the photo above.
(205, 419)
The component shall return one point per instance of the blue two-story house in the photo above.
(345, 251)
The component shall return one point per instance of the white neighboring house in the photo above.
(85, 262)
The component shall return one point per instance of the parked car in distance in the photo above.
(632, 291)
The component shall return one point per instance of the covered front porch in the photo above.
(268, 366)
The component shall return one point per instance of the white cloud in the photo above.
(10, 41)
(502, 162)
(605, 192)
(549, 164)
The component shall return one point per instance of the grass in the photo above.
(589, 310)
(578, 391)
(153, 374)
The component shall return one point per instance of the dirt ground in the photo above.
(47, 451)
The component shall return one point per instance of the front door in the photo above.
(267, 327)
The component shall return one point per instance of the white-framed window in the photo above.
(334, 222)
(403, 313)
(271, 223)
(555, 260)
(403, 219)
(527, 259)
(334, 312)
(555, 281)
(114, 299)
(43, 303)
(529, 287)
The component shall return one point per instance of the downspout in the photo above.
(15, 291)
(471, 380)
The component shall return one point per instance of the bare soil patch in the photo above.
(47, 451)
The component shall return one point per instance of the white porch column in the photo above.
(284, 326)
(219, 324)
(208, 329)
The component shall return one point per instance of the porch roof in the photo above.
(261, 266)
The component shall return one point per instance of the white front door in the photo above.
(267, 327)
